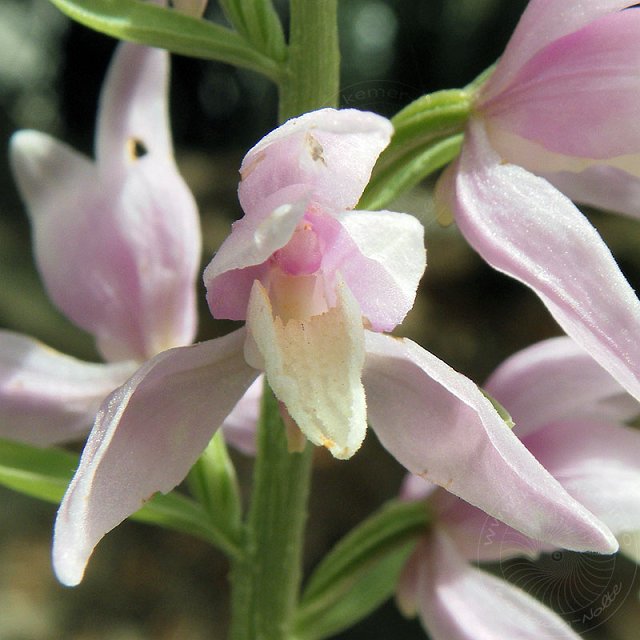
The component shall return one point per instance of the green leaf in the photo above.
(427, 136)
(343, 572)
(433, 114)
(46, 473)
(368, 592)
(212, 480)
(179, 513)
(259, 23)
(407, 171)
(39, 473)
(158, 26)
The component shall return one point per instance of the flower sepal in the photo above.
(45, 474)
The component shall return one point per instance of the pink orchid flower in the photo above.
(560, 108)
(117, 243)
(317, 284)
(571, 414)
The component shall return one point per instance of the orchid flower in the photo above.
(317, 284)
(117, 243)
(570, 413)
(545, 118)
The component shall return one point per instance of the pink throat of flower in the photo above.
(302, 255)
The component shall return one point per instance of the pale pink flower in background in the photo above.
(560, 108)
(458, 601)
(317, 284)
(571, 414)
(191, 7)
(117, 243)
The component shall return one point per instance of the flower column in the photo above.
(266, 581)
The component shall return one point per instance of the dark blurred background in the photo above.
(144, 583)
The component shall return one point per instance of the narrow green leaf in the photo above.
(179, 513)
(389, 529)
(39, 473)
(426, 137)
(158, 26)
(432, 113)
(46, 473)
(259, 23)
(407, 171)
(212, 480)
(371, 589)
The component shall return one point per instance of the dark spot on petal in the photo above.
(136, 148)
(315, 149)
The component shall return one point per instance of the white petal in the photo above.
(314, 367)
(438, 424)
(395, 242)
(329, 151)
(456, 601)
(47, 397)
(146, 437)
(554, 380)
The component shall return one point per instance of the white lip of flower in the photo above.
(314, 366)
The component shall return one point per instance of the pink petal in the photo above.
(562, 97)
(241, 425)
(598, 464)
(601, 186)
(133, 108)
(150, 256)
(439, 425)
(480, 537)
(543, 22)
(47, 397)
(554, 380)
(384, 272)
(120, 259)
(330, 152)
(525, 228)
(253, 239)
(41, 164)
(477, 535)
(459, 602)
(407, 587)
(146, 437)
(416, 488)
(380, 255)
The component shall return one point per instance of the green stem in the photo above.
(312, 76)
(266, 581)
